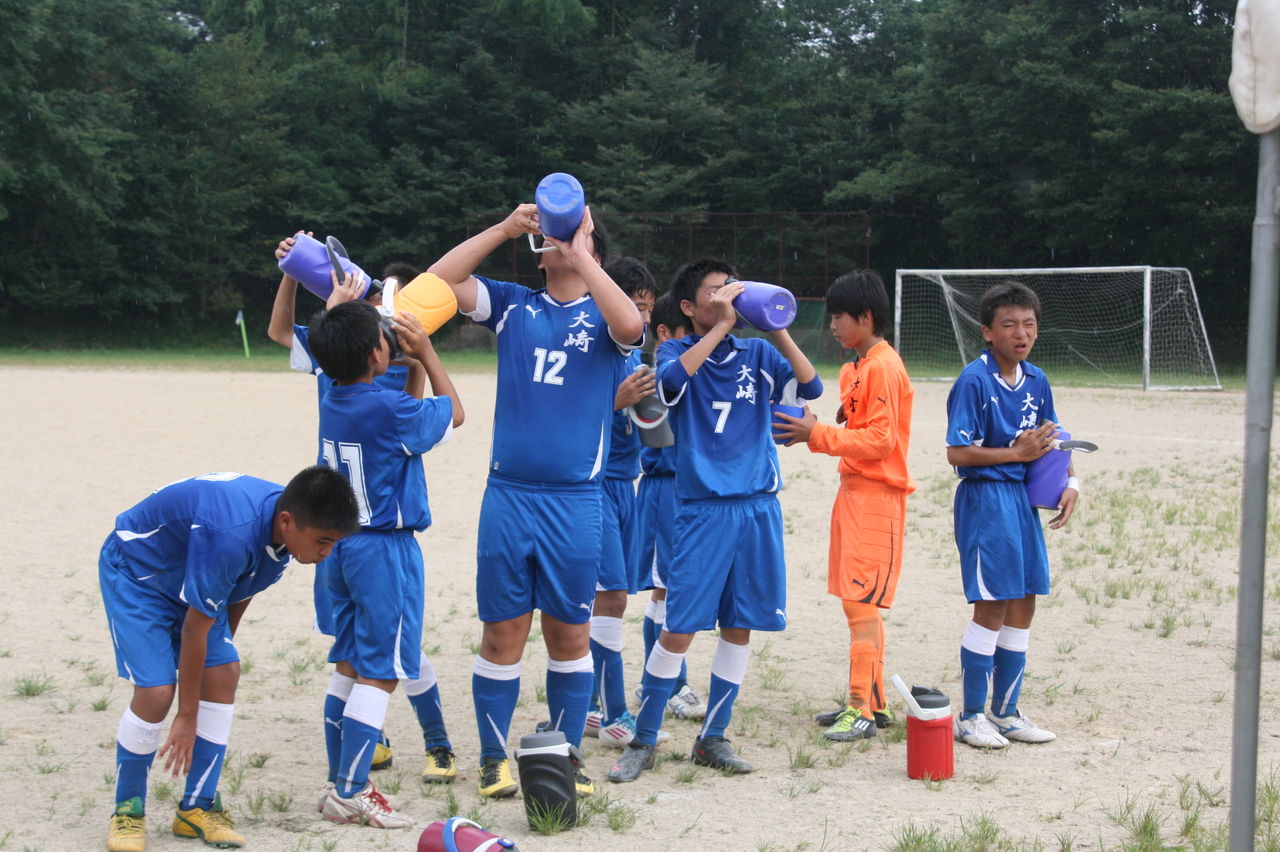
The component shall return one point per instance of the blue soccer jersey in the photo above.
(624, 437)
(721, 415)
(558, 371)
(203, 542)
(375, 437)
(301, 359)
(985, 411)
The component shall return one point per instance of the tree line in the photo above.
(152, 152)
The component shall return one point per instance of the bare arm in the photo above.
(693, 359)
(800, 364)
(415, 340)
(1029, 446)
(234, 613)
(280, 329)
(619, 312)
(458, 264)
(176, 750)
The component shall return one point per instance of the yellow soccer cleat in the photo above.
(382, 757)
(213, 826)
(495, 778)
(586, 787)
(440, 766)
(127, 831)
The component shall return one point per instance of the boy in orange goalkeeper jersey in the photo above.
(869, 514)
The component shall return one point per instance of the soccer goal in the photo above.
(1114, 325)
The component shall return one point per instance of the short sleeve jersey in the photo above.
(204, 542)
(624, 437)
(375, 437)
(558, 371)
(985, 411)
(722, 415)
(301, 359)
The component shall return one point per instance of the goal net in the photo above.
(1119, 325)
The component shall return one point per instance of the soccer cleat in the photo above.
(1018, 728)
(619, 733)
(127, 831)
(826, 720)
(594, 720)
(851, 725)
(718, 753)
(495, 778)
(368, 807)
(213, 826)
(687, 704)
(635, 759)
(324, 794)
(440, 767)
(978, 732)
(884, 718)
(382, 757)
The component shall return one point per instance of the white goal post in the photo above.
(1105, 325)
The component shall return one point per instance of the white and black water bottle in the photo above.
(547, 782)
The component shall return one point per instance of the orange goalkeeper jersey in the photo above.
(876, 395)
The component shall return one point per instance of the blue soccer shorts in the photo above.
(376, 585)
(655, 530)
(322, 600)
(1001, 543)
(618, 530)
(538, 547)
(146, 626)
(727, 566)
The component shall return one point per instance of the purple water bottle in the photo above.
(765, 307)
(561, 203)
(310, 261)
(1046, 477)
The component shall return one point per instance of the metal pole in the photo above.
(1260, 388)
(1146, 329)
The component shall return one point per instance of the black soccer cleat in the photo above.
(717, 753)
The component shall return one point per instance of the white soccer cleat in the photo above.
(1019, 728)
(687, 704)
(977, 731)
(594, 719)
(325, 789)
(368, 807)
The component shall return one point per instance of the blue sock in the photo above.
(682, 680)
(653, 705)
(202, 778)
(975, 675)
(495, 689)
(333, 707)
(362, 721)
(1006, 680)
(651, 631)
(568, 694)
(131, 774)
(719, 706)
(430, 714)
(610, 685)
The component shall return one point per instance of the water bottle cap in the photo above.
(559, 193)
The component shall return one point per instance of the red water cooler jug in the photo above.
(930, 743)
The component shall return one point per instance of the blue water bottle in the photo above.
(561, 203)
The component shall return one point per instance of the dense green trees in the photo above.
(151, 152)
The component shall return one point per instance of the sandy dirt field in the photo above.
(1131, 659)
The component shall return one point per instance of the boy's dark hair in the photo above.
(342, 338)
(859, 292)
(321, 498)
(600, 239)
(666, 311)
(685, 283)
(632, 276)
(401, 271)
(1005, 294)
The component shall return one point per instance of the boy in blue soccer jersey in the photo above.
(177, 574)
(1000, 417)
(655, 523)
(376, 437)
(560, 351)
(609, 718)
(728, 566)
(423, 692)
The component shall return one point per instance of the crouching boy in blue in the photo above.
(376, 437)
(728, 566)
(177, 574)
